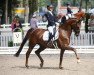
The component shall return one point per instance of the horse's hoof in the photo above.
(78, 61)
(41, 65)
(60, 67)
(16, 55)
(27, 66)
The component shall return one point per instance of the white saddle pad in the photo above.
(69, 16)
(46, 36)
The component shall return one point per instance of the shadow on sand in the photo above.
(44, 68)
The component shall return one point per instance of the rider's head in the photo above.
(50, 7)
(68, 4)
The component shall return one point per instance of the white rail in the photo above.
(84, 39)
(84, 44)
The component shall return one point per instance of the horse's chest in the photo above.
(65, 39)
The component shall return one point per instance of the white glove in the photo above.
(57, 24)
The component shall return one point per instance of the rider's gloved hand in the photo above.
(57, 24)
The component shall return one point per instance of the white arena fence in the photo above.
(84, 43)
(84, 39)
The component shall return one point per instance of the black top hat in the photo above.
(50, 6)
(68, 4)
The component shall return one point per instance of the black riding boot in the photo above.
(50, 37)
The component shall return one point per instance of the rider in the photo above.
(69, 11)
(51, 21)
(69, 14)
(91, 11)
(33, 22)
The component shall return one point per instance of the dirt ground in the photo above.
(10, 65)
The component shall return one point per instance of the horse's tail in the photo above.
(23, 42)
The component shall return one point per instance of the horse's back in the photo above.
(38, 33)
(40, 30)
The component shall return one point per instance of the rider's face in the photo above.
(51, 8)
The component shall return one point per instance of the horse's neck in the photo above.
(77, 16)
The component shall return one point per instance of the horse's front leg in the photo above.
(78, 59)
(61, 57)
(74, 50)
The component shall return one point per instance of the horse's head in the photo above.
(75, 25)
(80, 15)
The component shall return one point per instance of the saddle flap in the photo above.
(46, 36)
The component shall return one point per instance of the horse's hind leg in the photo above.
(38, 54)
(28, 54)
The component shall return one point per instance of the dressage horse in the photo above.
(36, 37)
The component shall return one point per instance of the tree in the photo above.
(74, 2)
(26, 6)
(9, 7)
(2, 7)
(54, 2)
(80, 8)
(33, 6)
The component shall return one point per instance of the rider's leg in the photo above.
(69, 15)
(63, 20)
(50, 29)
(50, 37)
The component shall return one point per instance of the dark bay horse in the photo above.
(36, 37)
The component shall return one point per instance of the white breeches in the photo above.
(51, 29)
(69, 15)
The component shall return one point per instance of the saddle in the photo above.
(46, 35)
(52, 42)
